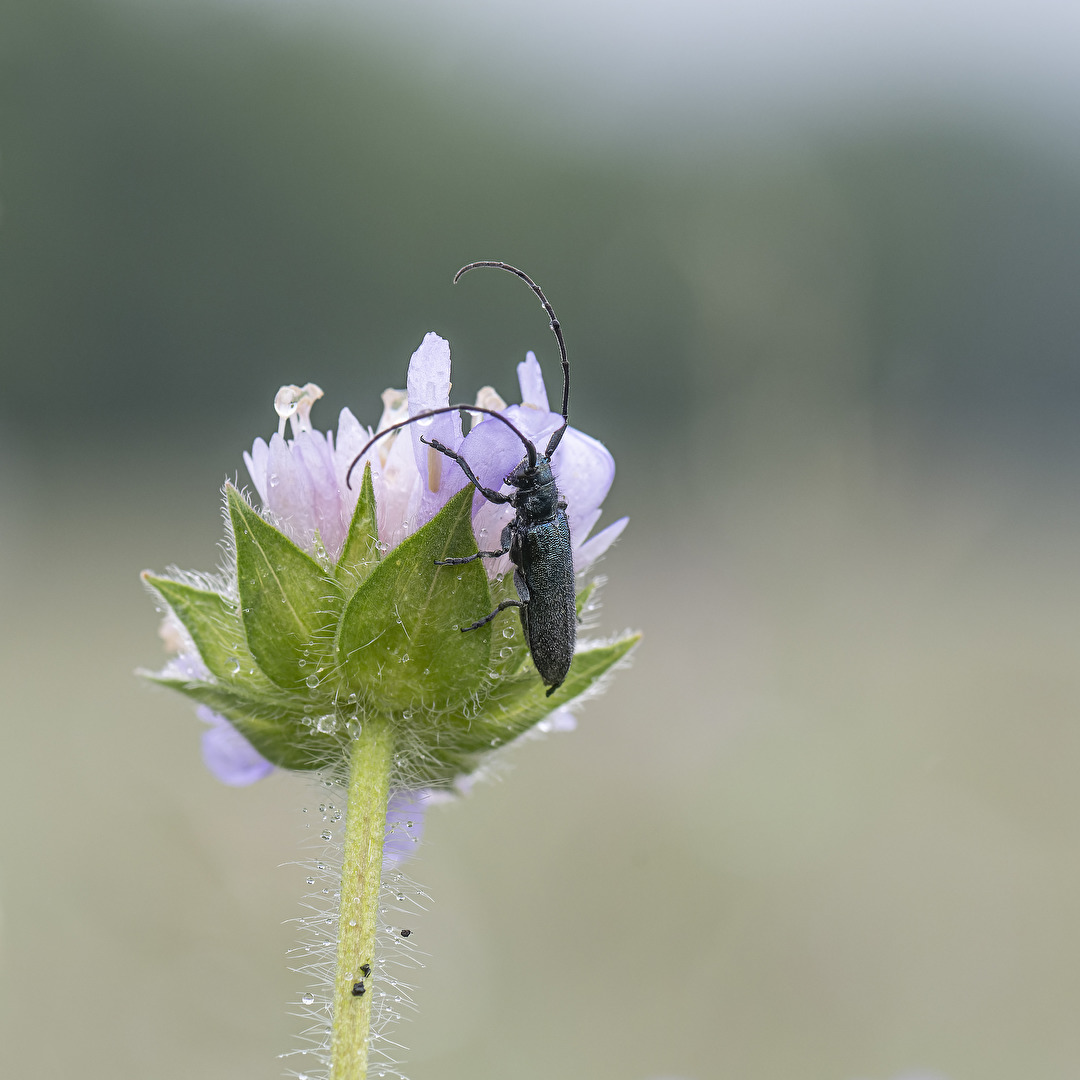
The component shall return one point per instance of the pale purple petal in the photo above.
(187, 665)
(397, 492)
(560, 720)
(492, 451)
(314, 450)
(352, 436)
(531, 381)
(228, 755)
(429, 388)
(288, 496)
(580, 527)
(256, 463)
(537, 424)
(404, 824)
(596, 545)
(584, 470)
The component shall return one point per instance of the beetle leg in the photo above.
(487, 618)
(472, 558)
(488, 493)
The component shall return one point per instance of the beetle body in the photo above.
(537, 539)
(538, 543)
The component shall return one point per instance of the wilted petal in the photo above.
(228, 755)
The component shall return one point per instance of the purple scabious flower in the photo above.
(301, 474)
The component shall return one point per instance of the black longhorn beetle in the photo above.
(537, 539)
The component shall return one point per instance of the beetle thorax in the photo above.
(537, 496)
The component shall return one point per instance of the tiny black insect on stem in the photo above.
(358, 989)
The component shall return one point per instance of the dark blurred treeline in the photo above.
(201, 204)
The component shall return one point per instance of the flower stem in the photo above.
(361, 871)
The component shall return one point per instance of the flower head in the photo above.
(334, 608)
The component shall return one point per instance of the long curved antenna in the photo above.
(556, 329)
(530, 448)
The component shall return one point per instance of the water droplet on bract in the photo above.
(506, 652)
(352, 922)
(233, 665)
(312, 681)
(508, 632)
(353, 728)
(427, 671)
(326, 834)
(406, 714)
(404, 658)
(327, 724)
(301, 663)
(352, 698)
(307, 999)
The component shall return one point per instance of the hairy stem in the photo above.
(361, 870)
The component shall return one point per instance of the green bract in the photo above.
(300, 653)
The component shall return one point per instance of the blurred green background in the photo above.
(827, 827)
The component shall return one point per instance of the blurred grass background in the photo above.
(827, 826)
